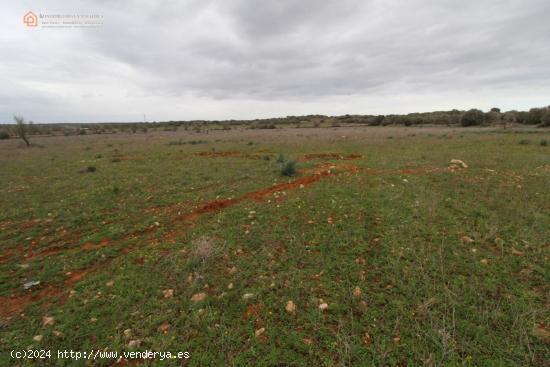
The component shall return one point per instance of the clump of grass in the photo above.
(116, 190)
(203, 249)
(288, 168)
(525, 142)
(543, 143)
(266, 158)
(280, 158)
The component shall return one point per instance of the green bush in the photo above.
(543, 143)
(472, 117)
(288, 168)
(4, 135)
(525, 142)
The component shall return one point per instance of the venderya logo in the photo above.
(30, 19)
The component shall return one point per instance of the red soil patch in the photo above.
(76, 276)
(217, 205)
(16, 304)
(252, 311)
(46, 252)
(6, 255)
(95, 246)
(333, 156)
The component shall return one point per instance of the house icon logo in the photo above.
(30, 19)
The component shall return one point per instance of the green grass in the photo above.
(392, 227)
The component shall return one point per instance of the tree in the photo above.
(21, 129)
(472, 117)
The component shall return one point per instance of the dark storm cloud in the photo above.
(303, 51)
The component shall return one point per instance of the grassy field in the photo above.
(195, 242)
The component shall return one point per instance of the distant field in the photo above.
(178, 241)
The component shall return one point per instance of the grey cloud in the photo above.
(277, 51)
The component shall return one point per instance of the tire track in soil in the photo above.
(15, 304)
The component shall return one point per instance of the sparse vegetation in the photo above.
(416, 249)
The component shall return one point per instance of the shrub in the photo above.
(543, 143)
(21, 129)
(472, 117)
(281, 158)
(288, 168)
(4, 135)
(525, 142)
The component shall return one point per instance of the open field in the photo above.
(195, 242)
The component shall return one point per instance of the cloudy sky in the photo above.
(222, 59)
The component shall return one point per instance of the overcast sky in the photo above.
(222, 59)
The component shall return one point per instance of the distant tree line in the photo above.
(474, 117)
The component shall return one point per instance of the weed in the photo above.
(288, 168)
(543, 143)
(525, 142)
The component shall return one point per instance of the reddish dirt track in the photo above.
(15, 304)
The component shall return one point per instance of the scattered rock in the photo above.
(357, 292)
(230, 286)
(47, 321)
(198, 297)
(367, 339)
(466, 240)
(323, 306)
(168, 293)
(248, 296)
(134, 344)
(290, 307)
(484, 261)
(37, 338)
(457, 164)
(259, 332)
(31, 284)
(57, 333)
(164, 328)
(127, 333)
(110, 283)
(516, 252)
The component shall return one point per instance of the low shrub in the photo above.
(4, 135)
(288, 168)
